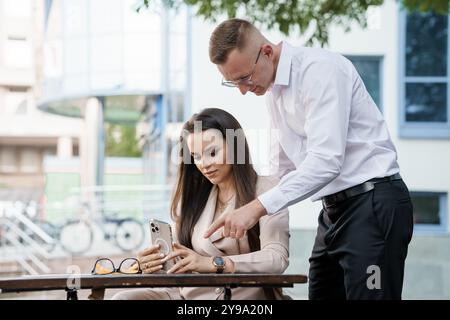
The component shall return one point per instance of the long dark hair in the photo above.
(193, 188)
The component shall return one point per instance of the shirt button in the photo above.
(219, 290)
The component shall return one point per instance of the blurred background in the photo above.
(93, 95)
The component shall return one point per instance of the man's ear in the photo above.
(268, 51)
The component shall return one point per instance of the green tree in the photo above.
(121, 141)
(296, 16)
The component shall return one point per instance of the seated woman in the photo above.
(215, 175)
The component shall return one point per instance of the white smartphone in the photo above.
(161, 233)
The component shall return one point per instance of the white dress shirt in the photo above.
(331, 135)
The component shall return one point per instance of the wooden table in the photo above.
(98, 283)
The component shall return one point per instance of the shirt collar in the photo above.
(284, 65)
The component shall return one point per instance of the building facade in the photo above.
(27, 135)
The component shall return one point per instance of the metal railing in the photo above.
(16, 245)
(26, 245)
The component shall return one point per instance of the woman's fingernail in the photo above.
(161, 255)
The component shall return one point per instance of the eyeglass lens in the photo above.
(104, 266)
(129, 266)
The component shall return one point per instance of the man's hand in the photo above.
(238, 221)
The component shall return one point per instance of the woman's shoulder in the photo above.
(265, 183)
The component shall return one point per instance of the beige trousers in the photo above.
(149, 294)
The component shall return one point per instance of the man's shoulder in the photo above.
(305, 56)
(310, 62)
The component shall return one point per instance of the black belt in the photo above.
(356, 190)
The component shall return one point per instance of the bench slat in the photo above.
(88, 281)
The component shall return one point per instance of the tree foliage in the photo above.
(121, 141)
(296, 16)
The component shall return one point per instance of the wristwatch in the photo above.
(219, 263)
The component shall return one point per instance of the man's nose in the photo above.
(243, 89)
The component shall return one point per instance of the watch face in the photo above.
(219, 262)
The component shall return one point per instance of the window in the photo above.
(30, 160)
(8, 160)
(18, 8)
(17, 52)
(424, 104)
(369, 68)
(430, 211)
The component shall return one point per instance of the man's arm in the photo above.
(327, 102)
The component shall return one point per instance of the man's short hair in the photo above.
(228, 35)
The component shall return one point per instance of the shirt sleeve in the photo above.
(326, 93)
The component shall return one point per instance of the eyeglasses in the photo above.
(246, 80)
(106, 266)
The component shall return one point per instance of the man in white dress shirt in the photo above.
(333, 146)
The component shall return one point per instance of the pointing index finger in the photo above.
(214, 227)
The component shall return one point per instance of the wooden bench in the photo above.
(98, 283)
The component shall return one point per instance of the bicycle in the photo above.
(127, 233)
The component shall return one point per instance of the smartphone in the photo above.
(161, 233)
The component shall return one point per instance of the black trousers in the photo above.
(361, 245)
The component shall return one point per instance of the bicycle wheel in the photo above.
(76, 237)
(130, 234)
(50, 229)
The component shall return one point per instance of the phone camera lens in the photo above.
(153, 229)
(152, 224)
(157, 229)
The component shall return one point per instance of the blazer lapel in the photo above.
(217, 244)
(199, 243)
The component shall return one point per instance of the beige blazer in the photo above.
(272, 258)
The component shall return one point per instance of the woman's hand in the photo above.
(151, 260)
(190, 261)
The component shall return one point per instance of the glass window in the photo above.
(426, 45)
(30, 160)
(17, 52)
(369, 69)
(429, 209)
(424, 76)
(105, 24)
(426, 102)
(18, 8)
(53, 59)
(75, 22)
(8, 159)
